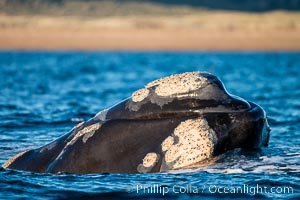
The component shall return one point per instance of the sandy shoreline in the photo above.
(209, 31)
(50, 39)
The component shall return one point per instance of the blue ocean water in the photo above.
(44, 94)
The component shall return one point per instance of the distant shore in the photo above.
(207, 31)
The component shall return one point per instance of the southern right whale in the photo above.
(172, 123)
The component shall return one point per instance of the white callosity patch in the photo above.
(149, 162)
(87, 132)
(75, 129)
(178, 84)
(172, 85)
(196, 142)
(101, 115)
(167, 143)
(87, 135)
(13, 159)
(78, 126)
(140, 95)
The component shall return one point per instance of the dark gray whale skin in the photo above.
(122, 135)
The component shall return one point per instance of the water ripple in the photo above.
(44, 94)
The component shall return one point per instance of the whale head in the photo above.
(172, 123)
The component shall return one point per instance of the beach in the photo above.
(207, 30)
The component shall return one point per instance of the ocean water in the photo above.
(44, 94)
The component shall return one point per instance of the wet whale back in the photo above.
(171, 123)
(155, 111)
(114, 147)
(154, 101)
